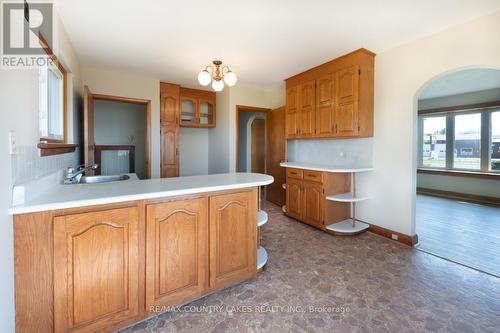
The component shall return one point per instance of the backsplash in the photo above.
(327, 151)
(27, 164)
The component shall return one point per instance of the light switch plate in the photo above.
(12, 143)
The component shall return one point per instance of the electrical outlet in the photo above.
(394, 236)
(12, 143)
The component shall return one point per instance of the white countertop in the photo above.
(327, 168)
(61, 196)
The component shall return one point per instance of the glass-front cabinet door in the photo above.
(189, 111)
(206, 116)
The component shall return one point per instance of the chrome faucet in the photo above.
(73, 176)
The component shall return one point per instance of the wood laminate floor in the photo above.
(315, 282)
(462, 232)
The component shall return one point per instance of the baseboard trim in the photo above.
(387, 233)
(460, 196)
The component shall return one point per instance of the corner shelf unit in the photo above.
(262, 218)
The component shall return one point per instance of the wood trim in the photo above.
(141, 101)
(387, 233)
(460, 173)
(55, 148)
(247, 108)
(98, 149)
(474, 198)
(465, 107)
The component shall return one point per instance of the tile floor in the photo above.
(367, 283)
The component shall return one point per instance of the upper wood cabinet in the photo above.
(333, 100)
(292, 112)
(169, 104)
(233, 238)
(307, 108)
(176, 251)
(96, 260)
(197, 108)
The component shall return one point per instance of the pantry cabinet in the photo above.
(332, 100)
(169, 129)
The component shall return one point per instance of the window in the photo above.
(460, 140)
(434, 142)
(495, 141)
(467, 152)
(51, 102)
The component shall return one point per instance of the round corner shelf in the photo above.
(345, 227)
(283, 208)
(346, 197)
(262, 218)
(261, 257)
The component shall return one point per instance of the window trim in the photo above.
(485, 109)
(64, 75)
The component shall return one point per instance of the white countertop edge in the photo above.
(325, 168)
(130, 197)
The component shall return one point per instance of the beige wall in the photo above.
(400, 75)
(113, 83)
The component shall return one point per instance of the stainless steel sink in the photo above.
(102, 179)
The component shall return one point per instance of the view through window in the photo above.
(434, 142)
(495, 141)
(467, 145)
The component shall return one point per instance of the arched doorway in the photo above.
(458, 167)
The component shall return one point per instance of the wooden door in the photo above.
(169, 104)
(307, 109)
(294, 198)
(324, 106)
(275, 154)
(312, 210)
(169, 136)
(96, 260)
(347, 100)
(88, 131)
(258, 150)
(292, 112)
(176, 252)
(233, 238)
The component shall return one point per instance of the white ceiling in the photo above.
(263, 41)
(465, 81)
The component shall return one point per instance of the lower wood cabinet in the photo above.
(294, 198)
(176, 251)
(312, 203)
(233, 238)
(96, 269)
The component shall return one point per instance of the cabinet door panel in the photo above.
(96, 257)
(347, 101)
(294, 198)
(313, 204)
(324, 106)
(169, 105)
(169, 151)
(307, 114)
(292, 113)
(233, 242)
(176, 254)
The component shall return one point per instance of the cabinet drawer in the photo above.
(315, 176)
(294, 173)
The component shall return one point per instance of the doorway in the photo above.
(260, 146)
(117, 134)
(458, 168)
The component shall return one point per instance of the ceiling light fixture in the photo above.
(217, 76)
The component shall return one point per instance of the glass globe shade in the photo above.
(204, 78)
(230, 78)
(218, 85)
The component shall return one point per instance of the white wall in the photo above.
(19, 113)
(400, 75)
(113, 83)
(193, 151)
(218, 137)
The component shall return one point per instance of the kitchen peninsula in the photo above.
(94, 257)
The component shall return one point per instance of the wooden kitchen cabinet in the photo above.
(334, 99)
(176, 251)
(306, 192)
(233, 238)
(169, 104)
(96, 269)
(307, 108)
(169, 136)
(197, 108)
